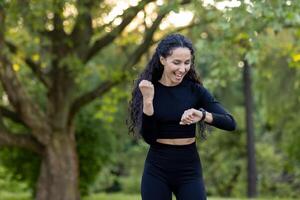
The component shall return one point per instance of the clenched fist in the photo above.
(147, 90)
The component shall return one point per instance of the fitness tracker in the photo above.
(203, 114)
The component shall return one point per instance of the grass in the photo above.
(118, 196)
(13, 196)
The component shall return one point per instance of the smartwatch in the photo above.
(203, 114)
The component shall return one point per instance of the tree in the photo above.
(57, 47)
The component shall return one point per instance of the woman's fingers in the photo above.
(184, 122)
(145, 83)
(147, 89)
(190, 116)
(187, 117)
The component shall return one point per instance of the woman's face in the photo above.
(176, 65)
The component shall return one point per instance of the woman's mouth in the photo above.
(178, 76)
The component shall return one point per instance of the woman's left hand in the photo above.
(190, 116)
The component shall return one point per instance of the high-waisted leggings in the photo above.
(172, 169)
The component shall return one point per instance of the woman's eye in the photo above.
(176, 63)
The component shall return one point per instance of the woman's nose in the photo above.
(182, 68)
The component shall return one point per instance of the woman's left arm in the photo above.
(217, 116)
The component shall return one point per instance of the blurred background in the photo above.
(67, 69)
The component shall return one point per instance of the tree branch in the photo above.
(136, 55)
(83, 30)
(19, 140)
(35, 67)
(90, 96)
(147, 39)
(57, 19)
(29, 112)
(5, 112)
(128, 16)
(24, 141)
(181, 28)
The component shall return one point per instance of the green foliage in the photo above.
(132, 180)
(22, 169)
(95, 145)
(265, 33)
(101, 136)
(278, 71)
(259, 34)
(9, 183)
(223, 164)
(123, 168)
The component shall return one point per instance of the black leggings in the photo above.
(172, 168)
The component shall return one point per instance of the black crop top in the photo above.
(169, 104)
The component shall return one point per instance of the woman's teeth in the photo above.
(178, 76)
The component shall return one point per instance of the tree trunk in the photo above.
(251, 170)
(59, 172)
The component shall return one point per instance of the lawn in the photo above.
(137, 197)
(117, 196)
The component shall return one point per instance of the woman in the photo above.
(168, 100)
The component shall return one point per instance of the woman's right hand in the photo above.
(147, 90)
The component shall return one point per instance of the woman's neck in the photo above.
(165, 81)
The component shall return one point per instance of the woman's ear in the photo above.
(162, 60)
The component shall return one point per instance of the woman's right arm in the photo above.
(148, 126)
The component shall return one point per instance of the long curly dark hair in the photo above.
(153, 72)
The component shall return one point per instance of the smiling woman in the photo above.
(176, 66)
(168, 100)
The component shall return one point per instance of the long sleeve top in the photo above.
(169, 104)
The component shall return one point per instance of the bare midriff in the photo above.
(176, 141)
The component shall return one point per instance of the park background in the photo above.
(67, 69)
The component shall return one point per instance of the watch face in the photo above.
(203, 114)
